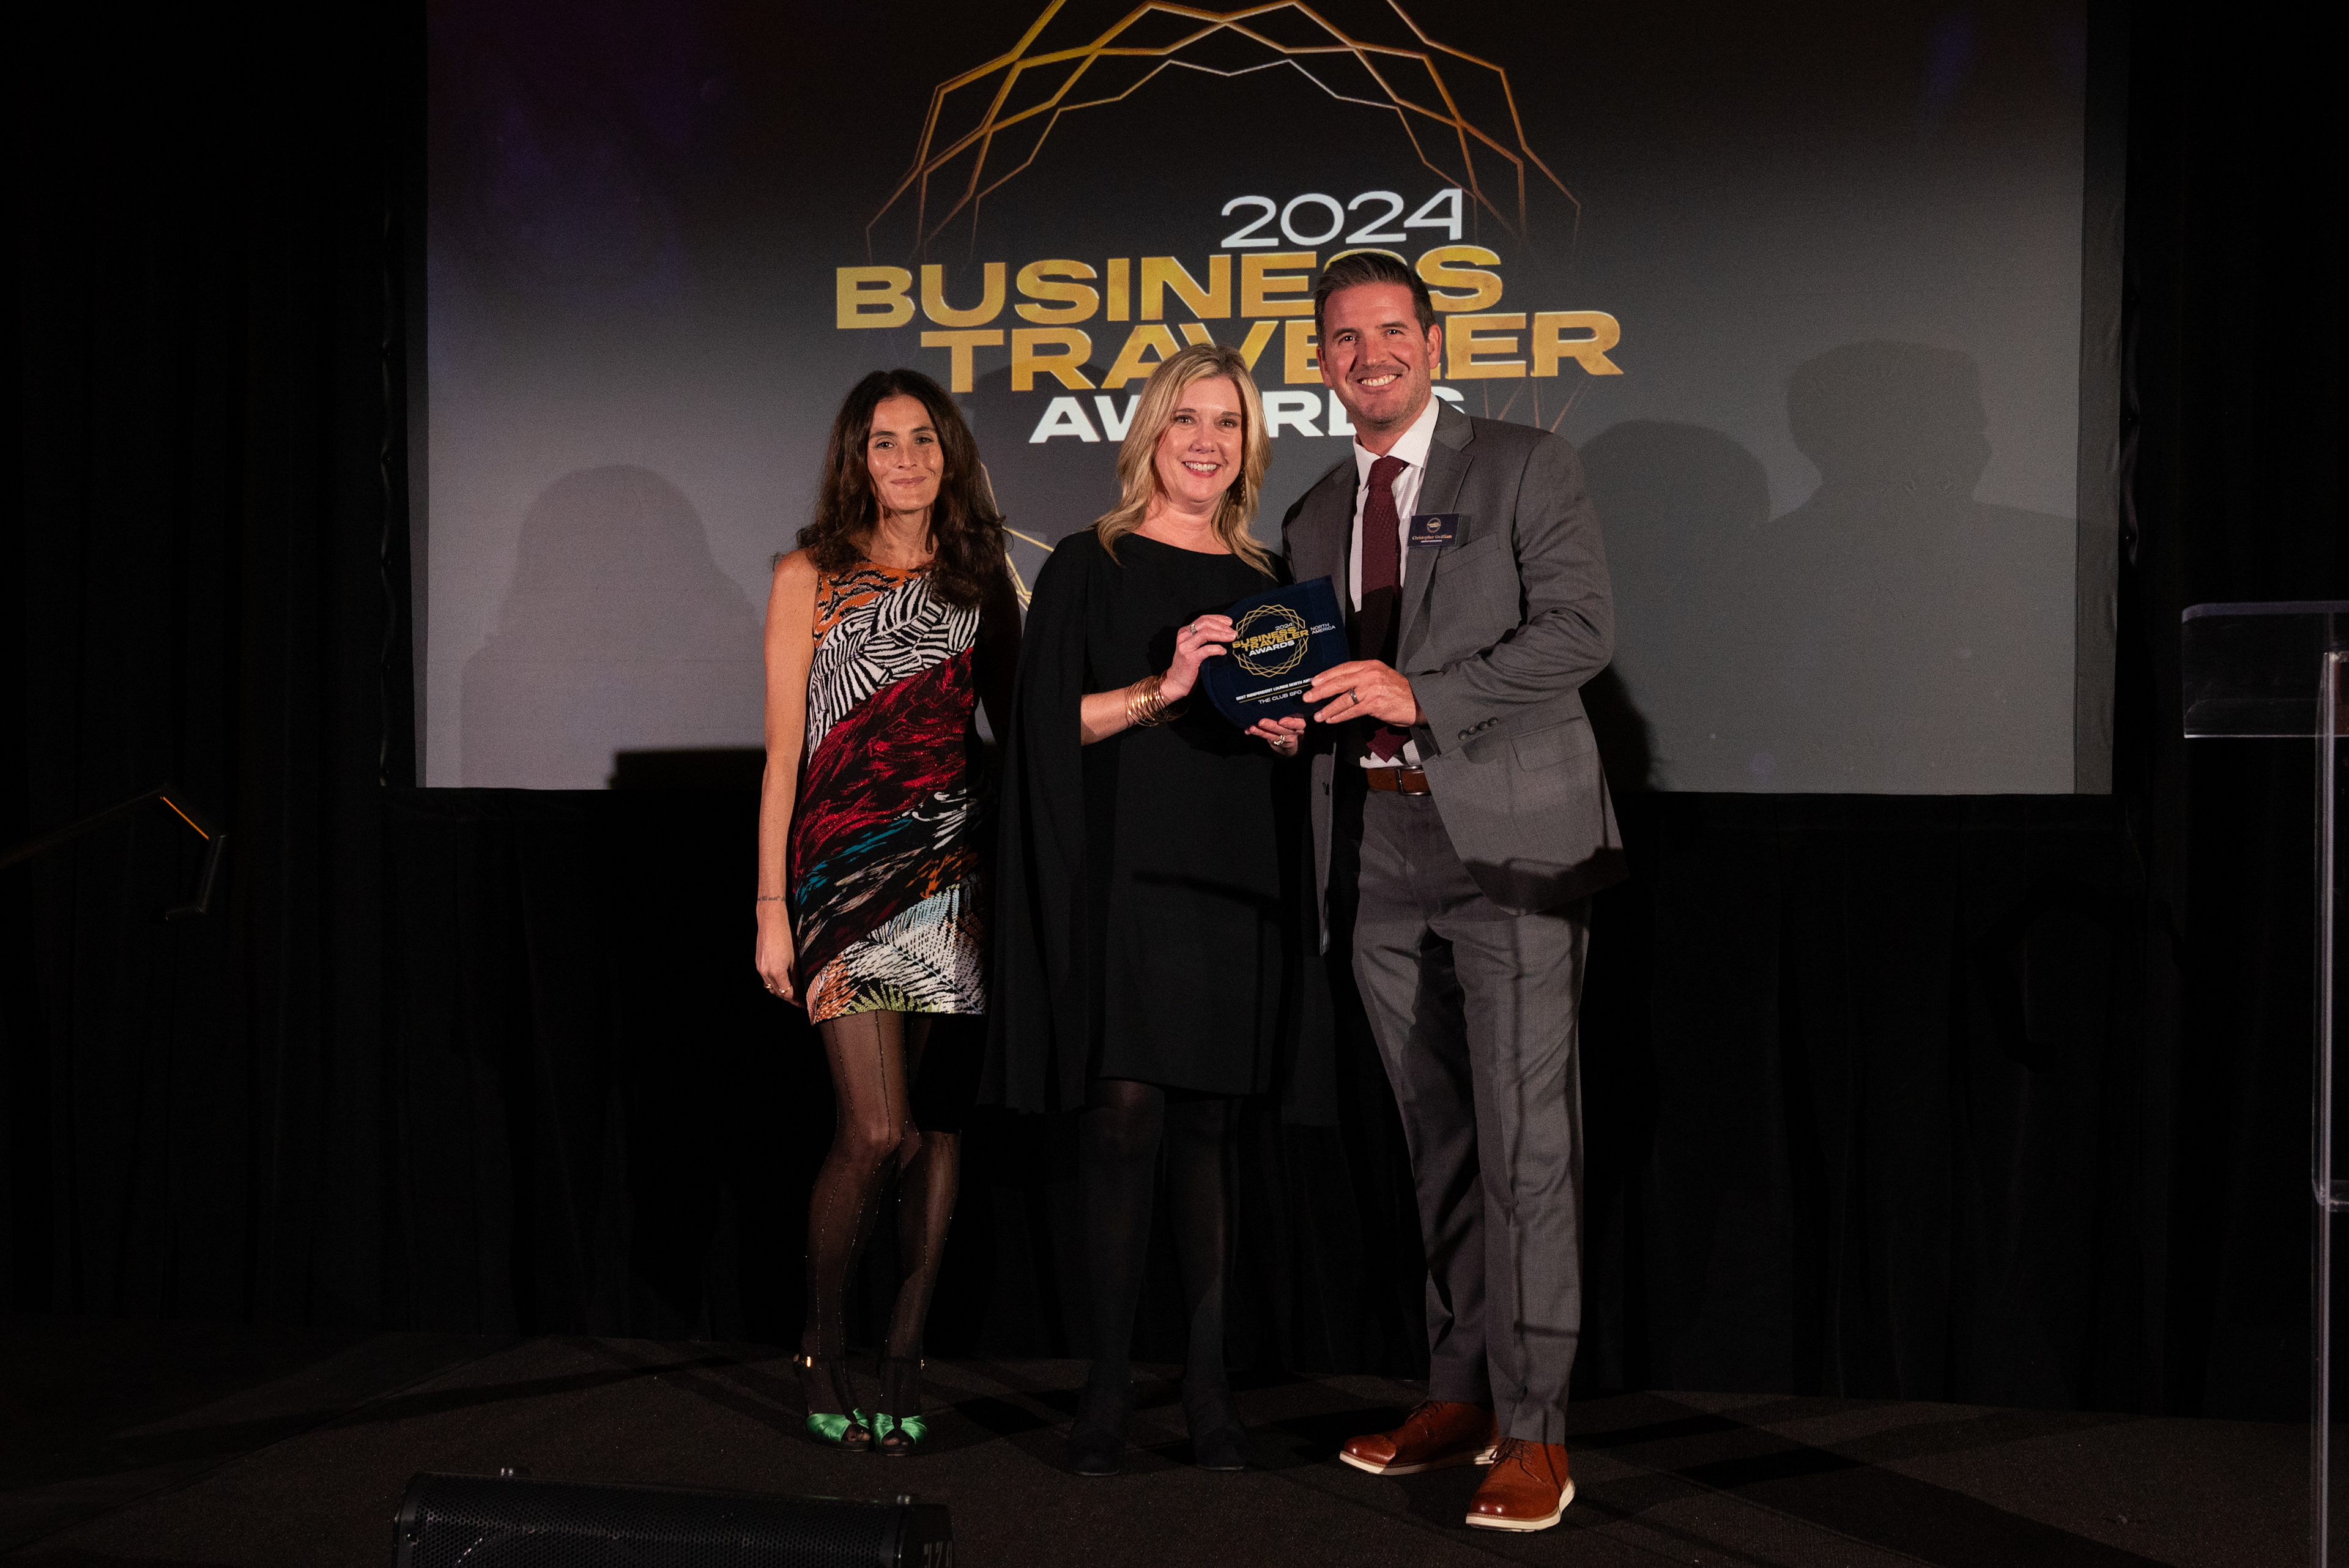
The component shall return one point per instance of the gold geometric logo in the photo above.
(1271, 639)
(1011, 105)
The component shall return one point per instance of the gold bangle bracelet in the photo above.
(1143, 706)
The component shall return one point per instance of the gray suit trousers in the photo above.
(1474, 1009)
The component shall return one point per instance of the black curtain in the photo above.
(1992, 1099)
(202, 574)
(2232, 431)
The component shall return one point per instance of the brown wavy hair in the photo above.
(967, 563)
(1137, 468)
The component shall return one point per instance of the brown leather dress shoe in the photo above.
(1437, 1432)
(1528, 1490)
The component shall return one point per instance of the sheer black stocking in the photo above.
(1118, 1135)
(1121, 1133)
(872, 1057)
(929, 1170)
(1202, 1173)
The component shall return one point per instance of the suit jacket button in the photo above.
(1465, 733)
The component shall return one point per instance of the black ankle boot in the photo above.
(1097, 1441)
(1218, 1441)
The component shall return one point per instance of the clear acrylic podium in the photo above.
(2277, 669)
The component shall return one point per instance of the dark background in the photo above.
(1997, 1099)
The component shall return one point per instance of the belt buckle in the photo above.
(1400, 779)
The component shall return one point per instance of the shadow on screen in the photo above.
(618, 633)
(1908, 638)
(1677, 504)
(1891, 633)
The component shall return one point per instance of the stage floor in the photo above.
(176, 1444)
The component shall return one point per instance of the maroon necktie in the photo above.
(1374, 627)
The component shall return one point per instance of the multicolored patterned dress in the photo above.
(884, 847)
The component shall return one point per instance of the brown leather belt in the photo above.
(1397, 781)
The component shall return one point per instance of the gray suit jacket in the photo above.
(1498, 630)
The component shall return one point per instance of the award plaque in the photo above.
(1280, 641)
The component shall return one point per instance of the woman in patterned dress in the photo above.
(885, 628)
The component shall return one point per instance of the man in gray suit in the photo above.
(1460, 824)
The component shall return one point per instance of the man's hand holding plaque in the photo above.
(1363, 689)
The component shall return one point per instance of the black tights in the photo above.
(1120, 1133)
(873, 1056)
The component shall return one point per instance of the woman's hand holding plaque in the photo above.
(1207, 637)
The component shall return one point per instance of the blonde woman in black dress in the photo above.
(1151, 955)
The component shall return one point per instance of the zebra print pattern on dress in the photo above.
(883, 859)
(903, 632)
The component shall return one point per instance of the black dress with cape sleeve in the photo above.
(1151, 889)
(1036, 988)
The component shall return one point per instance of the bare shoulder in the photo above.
(795, 569)
(792, 595)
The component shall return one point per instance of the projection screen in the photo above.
(1822, 295)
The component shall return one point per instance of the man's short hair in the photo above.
(1357, 267)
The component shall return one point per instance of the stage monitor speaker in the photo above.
(512, 1521)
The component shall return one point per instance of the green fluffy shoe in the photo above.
(823, 1380)
(896, 1434)
(833, 1430)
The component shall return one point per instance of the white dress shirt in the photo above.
(1411, 448)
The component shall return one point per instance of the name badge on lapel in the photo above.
(1431, 529)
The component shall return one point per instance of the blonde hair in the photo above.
(1137, 468)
